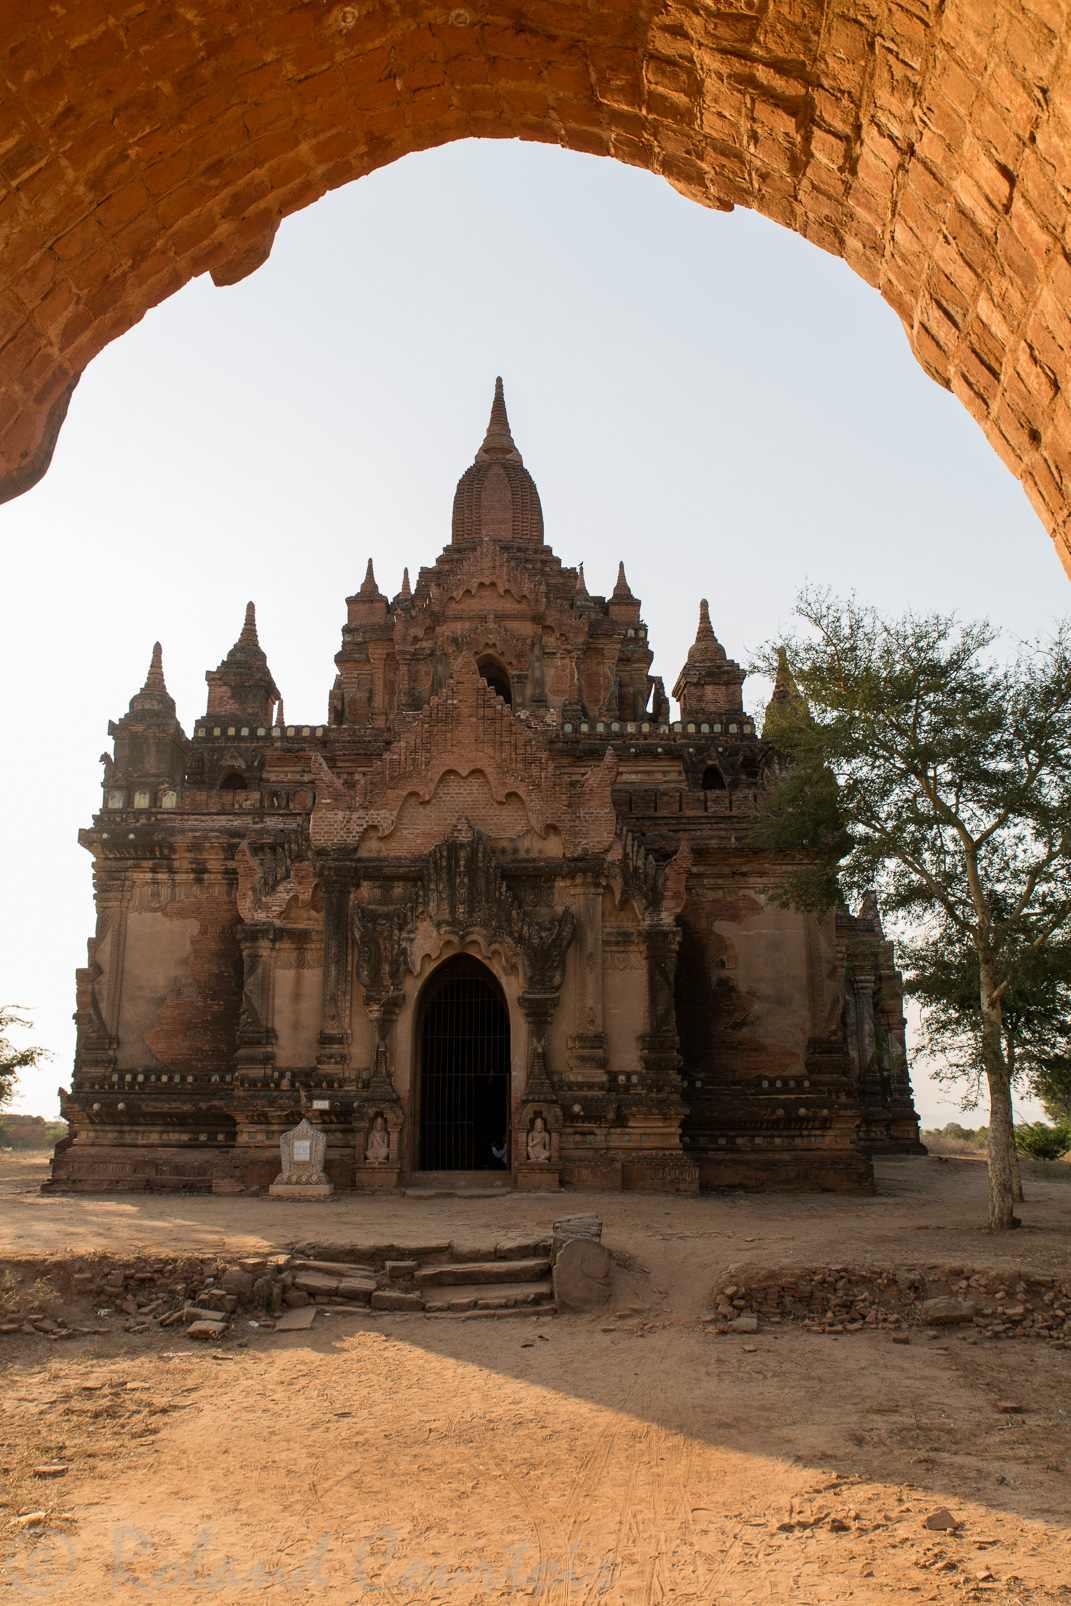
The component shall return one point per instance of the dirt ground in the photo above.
(623, 1458)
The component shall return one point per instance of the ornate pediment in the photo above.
(491, 566)
(467, 730)
(461, 894)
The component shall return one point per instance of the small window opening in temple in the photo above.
(713, 779)
(497, 677)
(233, 782)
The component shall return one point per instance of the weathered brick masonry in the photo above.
(928, 144)
(497, 912)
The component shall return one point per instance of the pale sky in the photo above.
(704, 395)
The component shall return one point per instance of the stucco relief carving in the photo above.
(491, 565)
(262, 893)
(467, 730)
(461, 893)
(658, 890)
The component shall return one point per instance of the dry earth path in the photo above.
(625, 1458)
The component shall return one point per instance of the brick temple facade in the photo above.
(498, 913)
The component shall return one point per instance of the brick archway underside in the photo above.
(927, 143)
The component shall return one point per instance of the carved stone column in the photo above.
(383, 1011)
(587, 1045)
(256, 1027)
(659, 1043)
(539, 1099)
(100, 1042)
(334, 1038)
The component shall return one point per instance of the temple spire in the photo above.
(154, 680)
(622, 590)
(708, 687)
(498, 442)
(243, 685)
(368, 584)
(785, 696)
(406, 590)
(154, 696)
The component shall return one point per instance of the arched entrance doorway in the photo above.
(464, 1070)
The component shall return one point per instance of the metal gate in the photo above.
(464, 1071)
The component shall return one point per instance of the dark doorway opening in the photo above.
(497, 677)
(713, 779)
(233, 782)
(464, 1070)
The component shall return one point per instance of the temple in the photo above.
(497, 914)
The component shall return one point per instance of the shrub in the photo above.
(1043, 1142)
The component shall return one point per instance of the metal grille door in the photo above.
(464, 1072)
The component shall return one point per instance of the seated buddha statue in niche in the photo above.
(377, 1149)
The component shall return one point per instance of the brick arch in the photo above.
(927, 144)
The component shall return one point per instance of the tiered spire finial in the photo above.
(406, 589)
(622, 590)
(498, 442)
(706, 648)
(154, 696)
(154, 680)
(785, 696)
(368, 584)
(248, 637)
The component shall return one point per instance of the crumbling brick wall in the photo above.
(925, 146)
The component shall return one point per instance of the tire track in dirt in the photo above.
(534, 1516)
(638, 1442)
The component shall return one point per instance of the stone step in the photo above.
(455, 1193)
(335, 1268)
(497, 1181)
(483, 1296)
(483, 1271)
(533, 1312)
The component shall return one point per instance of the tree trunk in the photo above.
(1001, 1148)
(1017, 1172)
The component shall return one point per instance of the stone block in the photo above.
(517, 1249)
(315, 1282)
(206, 1329)
(240, 1283)
(203, 1313)
(538, 1179)
(744, 1324)
(388, 1299)
(358, 1288)
(376, 1178)
(581, 1275)
(338, 1268)
(569, 1227)
(945, 1312)
(483, 1271)
(307, 1190)
(296, 1321)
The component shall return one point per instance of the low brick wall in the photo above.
(1008, 1302)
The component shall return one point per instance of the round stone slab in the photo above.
(581, 1275)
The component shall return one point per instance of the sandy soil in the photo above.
(622, 1458)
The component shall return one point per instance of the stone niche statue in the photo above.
(538, 1142)
(377, 1149)
(303, 1151)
